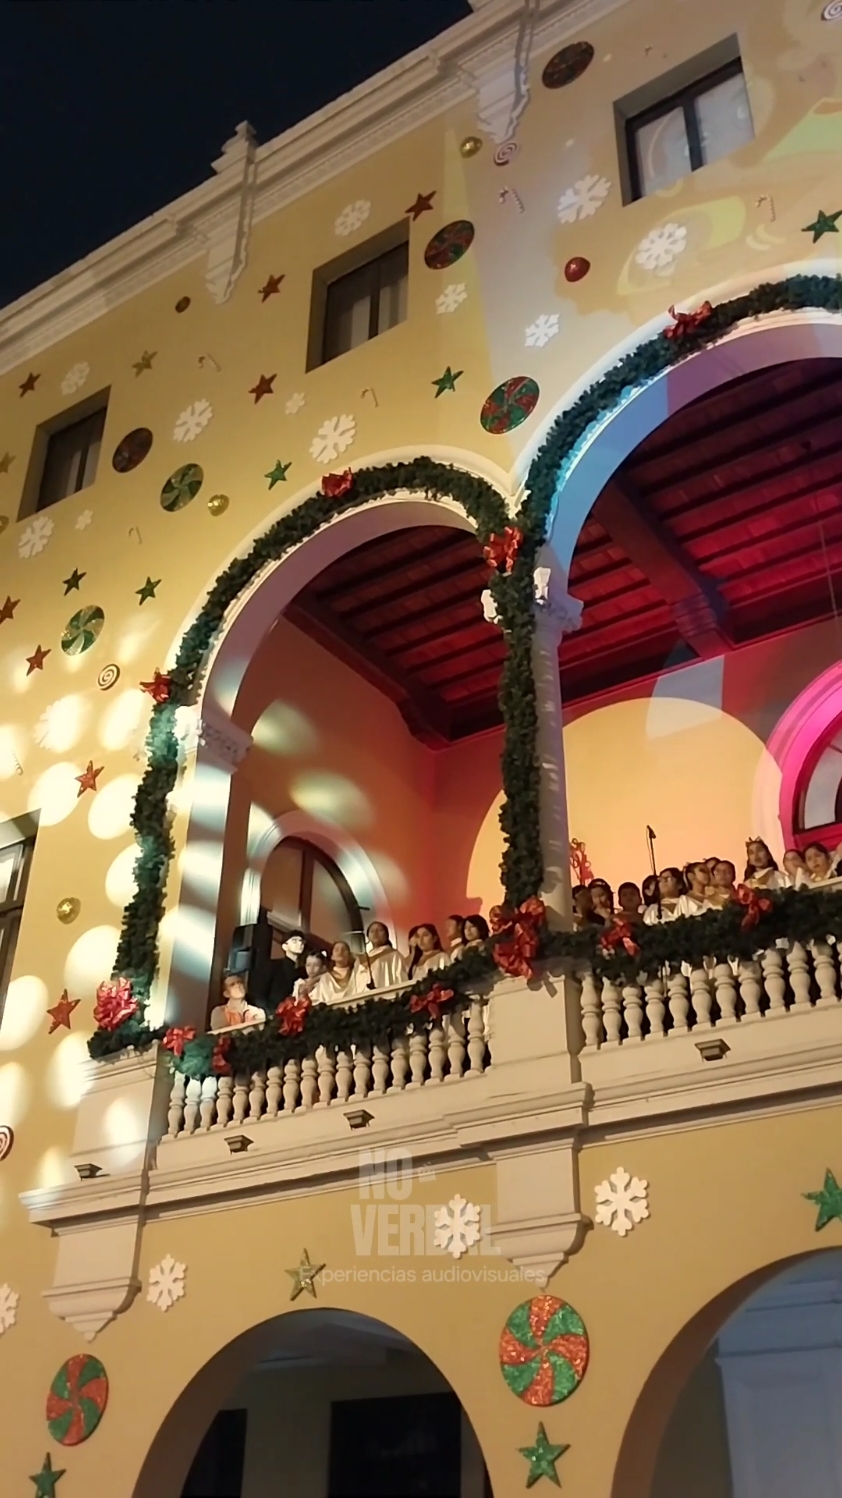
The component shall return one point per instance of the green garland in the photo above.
(522, 864)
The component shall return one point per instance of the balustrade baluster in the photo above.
(655, 1007)
(292, 1090)
(477, 1040)
(344, 1075)
(701, 998)
(274, 1091)
(257, 1096)
(175, 1115)
(591, 1010)
(207, 1103)
(437, 1053)
(309, 1081)
(380, 1069)
(633, 1010)
(774, 980)
(455, 1031)
(191, 1105)
(799, 975)
(679, 1001)
(224, 1100)
(612, 1014)
(241, 1097)
(726, 993)
(750, 989)
(417, 1057)
(825, 974)
(400, 1063)
(362, 1071)
(327, 1071)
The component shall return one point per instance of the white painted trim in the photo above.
(349, 857)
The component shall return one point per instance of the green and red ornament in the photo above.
(567, 65)
(509, 404)
(77, 1399)
(181, 487)
(544, 1351)
(449, 245)
(131, 452)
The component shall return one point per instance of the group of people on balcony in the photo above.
(705, 884)
(305, 972)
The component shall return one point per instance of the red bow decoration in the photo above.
(517, 936)
(580, 864)
(755, 906)
(334, 484)
(219, 1060)
(687, 322)
(158, 688)
(431, 1001)
(114, 1004)
(177, 1038)
(501, 551)
(292, 1013)
(618, 935)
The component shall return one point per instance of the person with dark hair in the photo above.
(285, 971)
(426, 953)
(343, 978)
(383, 963)
(454, 934)
(671, 887)
(795, 870)
(629, 901)
(315, 963)
(821, 865)
(695, 900)
(476, 931)
(235, 1008)
(583, 911)
(762, 872)
(710, 865)
(724, 884)
(649, 890)
(602, 899)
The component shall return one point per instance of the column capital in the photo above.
(222, 743)
(556, 610)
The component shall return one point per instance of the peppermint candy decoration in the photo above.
(833, 11)
(506, 153)
(77, 1399)
(544, 1351)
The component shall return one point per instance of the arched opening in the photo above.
(744, 1402)
(323, 1403)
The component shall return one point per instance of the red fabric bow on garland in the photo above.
(177, 1038)
(755, 906)
(501, 551)
(687, 322)
(618, 935)
(431, 1001)
(334, 484)
(517, 936)
(158, 688)
(220, 1065)
(114, 1004)
(292, 1013)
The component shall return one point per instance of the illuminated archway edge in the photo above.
(548, 483)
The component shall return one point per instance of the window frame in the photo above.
(374, 284)
(684, 98)
(325, 276)
(21, 839)
(86, 420)
(312, 854)
(99, 400)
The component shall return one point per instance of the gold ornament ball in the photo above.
(218, 504)
(470, 145)
(68, 909)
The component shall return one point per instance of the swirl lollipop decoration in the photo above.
(82, 631)
(506, 153)
(77, 1399)
(7, 1139)
(108, 677)
(544, 1351)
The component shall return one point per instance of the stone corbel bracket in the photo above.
(227, 232)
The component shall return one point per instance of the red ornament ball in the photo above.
(577, 268)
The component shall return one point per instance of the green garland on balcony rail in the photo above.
(522, 866)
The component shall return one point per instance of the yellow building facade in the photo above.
(149, 1219)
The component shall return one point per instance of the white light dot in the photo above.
(67, 1077)
(15, 1092)
(90, 960)
(122, 719)
(55, 794)
(23, 1012)
(120, 881)
(110, 811)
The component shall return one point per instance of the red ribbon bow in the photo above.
(619, 935)
(158, 688)
(114, 1004)
(687, 322)
(431, 1001)
(501, 551)
(517, 936)
(292, 1013)
(219, 1060)
(334, 484)
(177, 1038)
(755, 906)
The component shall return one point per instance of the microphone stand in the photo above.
(650, 843)
(371, 985)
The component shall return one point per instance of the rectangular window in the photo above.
(15, 858)
(65, 454)
(690, 118)
(359, 296)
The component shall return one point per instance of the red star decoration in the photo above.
(263, 387)
(8, 609)
(423, 204)
(29, 383)
(87, 782)
(272, 287)
(158, 688)
(36, 662)
(61, 1012)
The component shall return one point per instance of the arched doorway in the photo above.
(322, 1403)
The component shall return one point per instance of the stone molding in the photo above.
(221, 742)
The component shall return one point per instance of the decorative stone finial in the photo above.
(237, 149)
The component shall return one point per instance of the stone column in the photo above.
(556, 613)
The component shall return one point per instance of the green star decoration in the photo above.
(148, 590)
(278, 474)
(825, 223)
(304, 1277)
(447, 381)
(542, 1458)
(45, 1480)
(828, 1201)
(72, 582)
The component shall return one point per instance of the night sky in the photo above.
(109, 109)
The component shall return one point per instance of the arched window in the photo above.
(302, 889)
(818, 809)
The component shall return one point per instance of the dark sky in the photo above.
(109, 109)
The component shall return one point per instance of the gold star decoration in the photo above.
(87, 781)
(61, 1012)
(304, 1277)
(6, 462)
(144, 362)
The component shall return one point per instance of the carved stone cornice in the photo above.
(221, 742)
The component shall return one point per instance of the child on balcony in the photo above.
(385, 966)
(235, 1008)
(425, 951)
(761, 870)
(343, 979)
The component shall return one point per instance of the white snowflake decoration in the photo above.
(661, 246)
(166, 1283)
(84, 520)
(8, 1308)
(352, 218)
(192, 421)
(295, 403)
(332, 438)
(582, 199)
(457, 1226)
(541, 330)
(36, 536)
(452, 297)
(75, 378)
(621, 1201)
